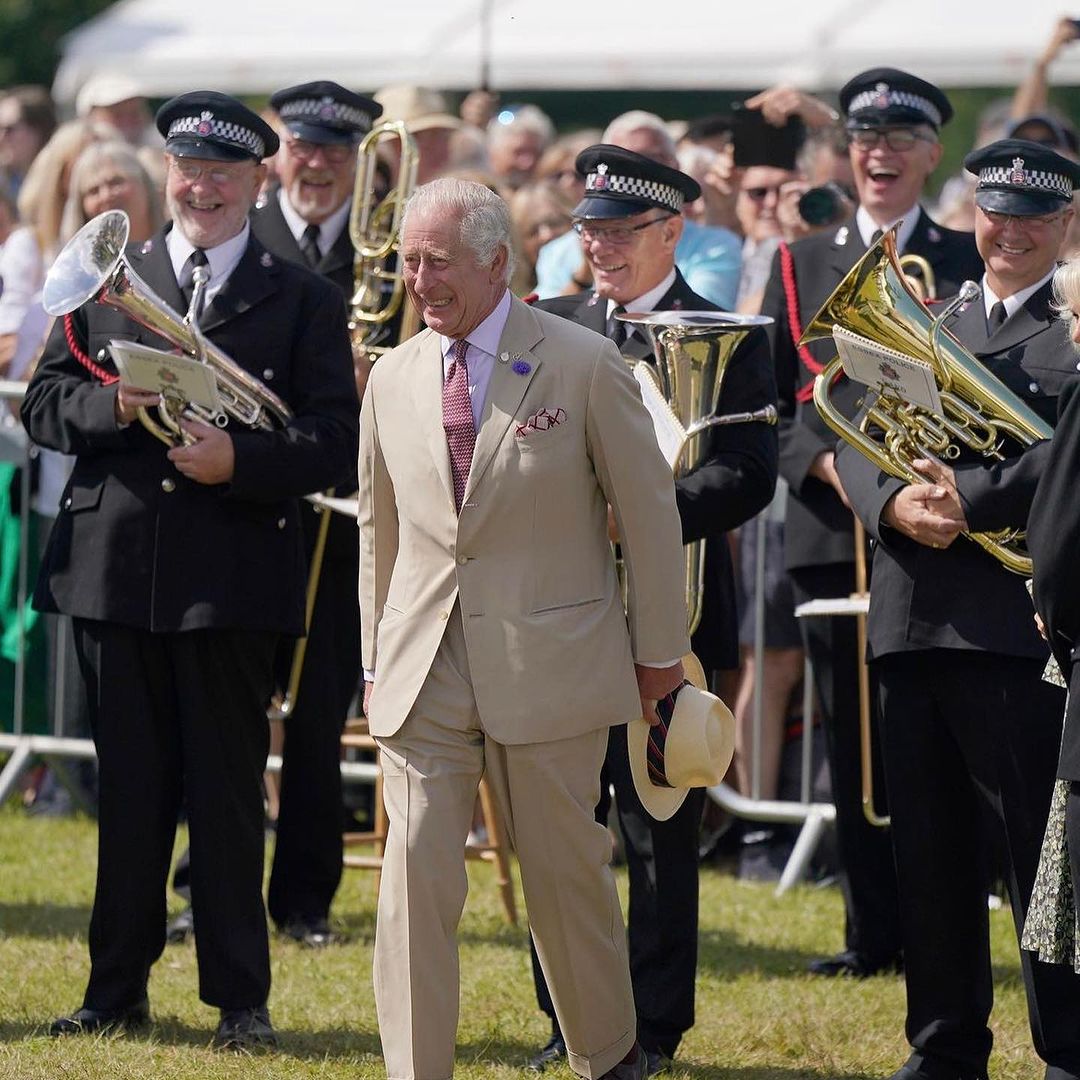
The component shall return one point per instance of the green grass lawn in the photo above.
(758, 1016)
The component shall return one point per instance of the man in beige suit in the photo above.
(495, 636)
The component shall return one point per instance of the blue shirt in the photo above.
(709, 257)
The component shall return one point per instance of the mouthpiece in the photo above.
(968, 292)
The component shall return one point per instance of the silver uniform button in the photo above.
(462, 560)
(168, 485)
(268, 374)
(1033, 387)
(281, 523)
(67, 503)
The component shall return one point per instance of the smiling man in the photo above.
(183, 567)
(629, 224)
(495, 636)
(970, 729)
(892, 119)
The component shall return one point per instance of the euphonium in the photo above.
(374, 228)
(692, 350)
(980, 413)
(92, 267)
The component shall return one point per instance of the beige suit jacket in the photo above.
(551, 650)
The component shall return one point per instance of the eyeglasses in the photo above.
(1024, 221)
(759, 194)
(216, 174)
(896, 139)
(618, 235)
(335, 153)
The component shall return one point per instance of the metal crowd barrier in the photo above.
(57, 748)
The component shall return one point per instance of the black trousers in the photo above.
(662, 858)
(178, 716)
(307, 864)
(971, 746)
(867, 872)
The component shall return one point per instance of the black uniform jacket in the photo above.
(270, 228)
(272, 231)
(137, 543)
(819, 527)
(738, 473)
(961, 597)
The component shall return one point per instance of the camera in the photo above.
(824, 205)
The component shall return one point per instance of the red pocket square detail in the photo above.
(540, 421)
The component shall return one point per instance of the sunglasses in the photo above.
(759, 194)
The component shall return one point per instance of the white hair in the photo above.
(525, 118)
(483, 217)
(639, 120)
(1066, 289)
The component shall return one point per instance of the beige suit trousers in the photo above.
(546, 792)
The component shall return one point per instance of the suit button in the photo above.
(1033, 387)
(102, 356)
(281, 523)
(268, 374)
(444, 615)
(462, 560)
(67, 504)
(168, 486)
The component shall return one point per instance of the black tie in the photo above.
(187, 279)
(996, 317)
(875, 236)
(616, 328)
(309, 245)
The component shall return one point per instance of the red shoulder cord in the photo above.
(791, 295)
(95, 369)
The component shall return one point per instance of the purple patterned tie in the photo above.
(458, 420)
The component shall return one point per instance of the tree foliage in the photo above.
(31, 31)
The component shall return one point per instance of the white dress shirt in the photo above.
(221, 260)
(329, 230)
(1017, 300)
(867, 226)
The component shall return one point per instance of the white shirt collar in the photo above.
(1017, 300)
(647, 301)
(221, 259)
(486, 336)
(867, 226)
(329, 230)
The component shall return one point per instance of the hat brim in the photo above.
(432, 121)
(195, 147)
(660, 802)
(610, 206)
(320, 133)
(1018, 203)
(893, 116)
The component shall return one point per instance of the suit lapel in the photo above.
(273, 230)
(1028, 320)
(152, 264)
(253, 279)
(340, 253)
(969, 326)
(427, 384)
(846, 250)
(507, 387)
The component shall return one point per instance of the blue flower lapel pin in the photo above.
(520, 366)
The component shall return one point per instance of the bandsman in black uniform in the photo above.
(970, 729)
(893, 120)
(306, 220)
(630, 221)
(182, 568)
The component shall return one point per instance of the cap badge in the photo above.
(601, 181)
(1017, 175)
(204, 123)
(326, 112)
(881, 100)
(267, 260)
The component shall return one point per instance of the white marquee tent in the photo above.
(243, 47)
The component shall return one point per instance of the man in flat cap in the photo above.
(970, 729)
(629, 224)
(182, 567)
(892, 120)
(306, 220)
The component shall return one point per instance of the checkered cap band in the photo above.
(606, 183)
(317, 109)
(874, 98)
(1037, 179)
(225, 130)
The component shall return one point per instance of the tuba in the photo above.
(692, 350)
(374, 228)
(92, 267)
(876, 301)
